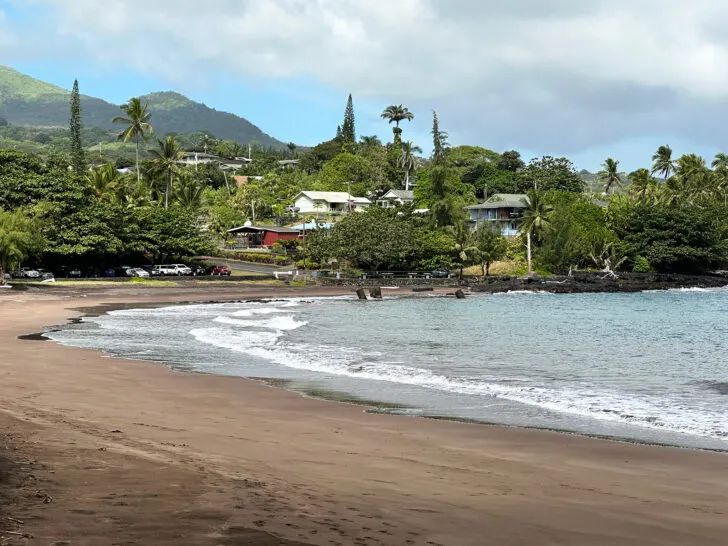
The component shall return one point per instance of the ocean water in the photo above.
(650, 367)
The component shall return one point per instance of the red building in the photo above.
(252, 236)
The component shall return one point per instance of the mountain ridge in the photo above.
(28, 101)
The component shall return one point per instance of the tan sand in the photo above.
(109, 451)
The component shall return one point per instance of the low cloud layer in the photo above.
(558, 74)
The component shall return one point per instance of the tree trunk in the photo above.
(487, 269)
(139, 172)
(406, 180)
(166, 193)
(528, 249)
(2, 275)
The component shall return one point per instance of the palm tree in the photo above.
(662, 162)
(101, 180)
(609, 175)
(165, 160)
(491, 246)
(395, 114)
(464, 243)
(695, 181)
(408, 161)
(536, 219)
(642, 186)
(189, 193)
(720, 162)
(137, 122)
(368, 141)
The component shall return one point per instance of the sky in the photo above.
(583, 79)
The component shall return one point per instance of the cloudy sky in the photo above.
(586, 79)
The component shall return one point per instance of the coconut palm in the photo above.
(137, 122)
(536, 219)
(537, 215)
(395, 114)
(101, 180)
(609, 175)
(695, 180)
(165, 160)
(189, 193)
(368, 141)
(642, 186)
(662, 162)
(464, 243)
(407, 161)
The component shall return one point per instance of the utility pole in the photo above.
(528, 250)
(348, 192)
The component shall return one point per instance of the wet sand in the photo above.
(103, 451)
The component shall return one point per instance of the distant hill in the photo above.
(31, 102)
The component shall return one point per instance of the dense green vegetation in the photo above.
(672, 216)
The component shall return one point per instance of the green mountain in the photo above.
(29, 102)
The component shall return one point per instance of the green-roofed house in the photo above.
(503, 210)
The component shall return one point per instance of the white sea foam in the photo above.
(598, 404)
(263, 311)
(283, 322)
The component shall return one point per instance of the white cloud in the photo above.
(564, 72)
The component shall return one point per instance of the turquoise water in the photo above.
(650, 367)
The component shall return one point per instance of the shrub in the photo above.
(642, 265)
(307, 264)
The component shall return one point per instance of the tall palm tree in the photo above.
(189, 193)
(395, 114)
(165, 160)
(536, 220)
(368, 141)
(464, 243)
(695, 181)
(642, 186)
(609, 175)
(720, 162)
(408, 161)
(662, 162)
(137, 122)
(537, 216)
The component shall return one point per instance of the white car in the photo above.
(174, 270)
(29, 273)
(138, 272)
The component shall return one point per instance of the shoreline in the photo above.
(303, 462)
(340, 397)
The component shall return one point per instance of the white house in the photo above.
(502, 210)
(328, 202)
(394, 198)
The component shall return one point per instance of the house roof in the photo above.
(262, 229)
(405, 195)
(333, 197)
(503, 200)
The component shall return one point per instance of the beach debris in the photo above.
(361, 294)
(116, 431)
(459, 294)
(19, 522)
(375, 292)
(47, 499)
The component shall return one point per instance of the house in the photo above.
(395, 198)
(192, 159)
(256, 236)
(329, 202)
(503, 210)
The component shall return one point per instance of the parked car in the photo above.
(175, 269)
(45, 274)
(440, 274)
(137, 272)
(110, 272)
(221, 270)
(29, 273)
(198, 270)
